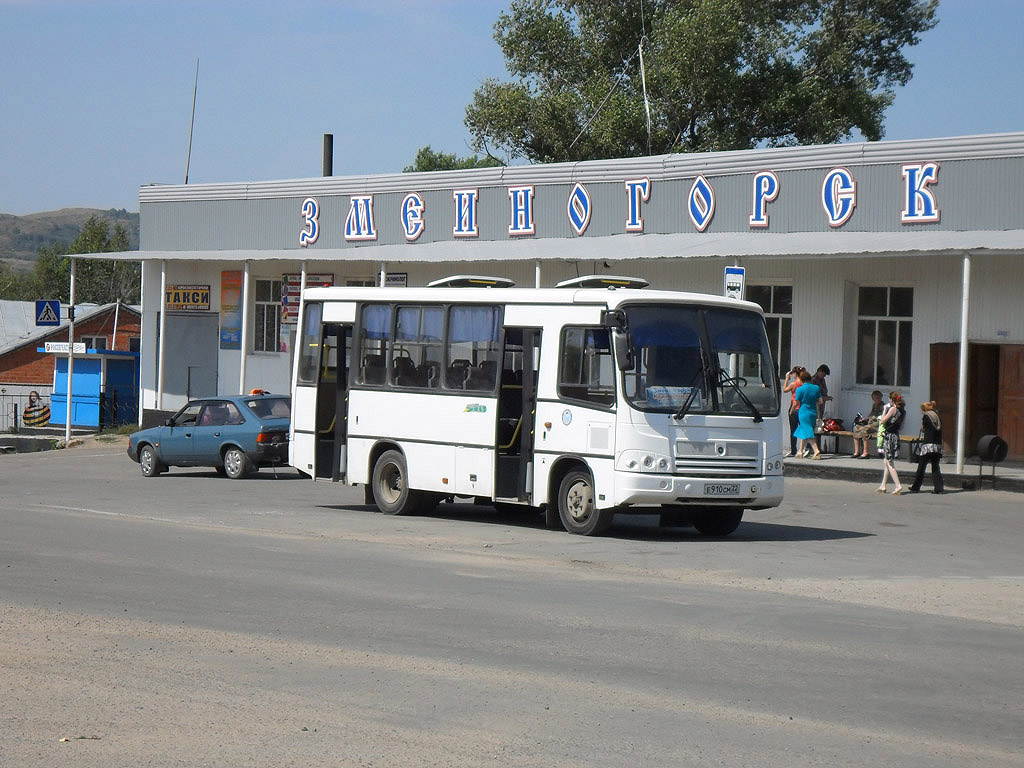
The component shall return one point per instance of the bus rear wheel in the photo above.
(717, 522)
(390, 484)
(576, 507)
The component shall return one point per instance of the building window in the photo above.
(95, 342)
(884, 331)
(267, 333)
(777, 303)
(134, 343)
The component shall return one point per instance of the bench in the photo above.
(848, 433)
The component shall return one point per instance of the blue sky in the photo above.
(97, 94)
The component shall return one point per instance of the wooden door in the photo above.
(1011, 398)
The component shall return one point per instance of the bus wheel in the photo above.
(717, 522)
(390, 483)
(576, 506)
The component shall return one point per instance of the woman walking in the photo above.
(805, 401)
(892, 419)
(931, 448)
(790, 385)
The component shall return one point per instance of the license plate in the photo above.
(721, 489)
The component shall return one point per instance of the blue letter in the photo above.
(701, 203)
(412, 216)
(766, 189)
(521, 201)
(310, 214)
(359, 223)
(921, 205)
(578, 208)
(637, 191)
(838, 196)
(465, 213)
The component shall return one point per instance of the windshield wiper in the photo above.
(685, 407)
(734, 382)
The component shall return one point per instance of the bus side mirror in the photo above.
(623, 351)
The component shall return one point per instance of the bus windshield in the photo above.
(694, 359)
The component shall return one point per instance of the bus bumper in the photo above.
(634, 489)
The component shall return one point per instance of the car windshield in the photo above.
(693, 359)
(270, 407)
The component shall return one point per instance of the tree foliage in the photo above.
(429, 160)
(96, 281)
(720, 75)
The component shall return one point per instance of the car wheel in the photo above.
(390, 483)
(236, 463)
(717, 522)
(576, 506)
(148, 462)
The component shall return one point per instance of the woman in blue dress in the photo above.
(806, 399)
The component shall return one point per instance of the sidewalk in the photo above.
(834, 466)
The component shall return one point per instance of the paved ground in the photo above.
(188, 620)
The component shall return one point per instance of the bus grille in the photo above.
(717, 458)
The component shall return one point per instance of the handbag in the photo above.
(819, 426)
(916, 449)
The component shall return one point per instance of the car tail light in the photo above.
(272, 437)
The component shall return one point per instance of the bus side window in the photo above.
(587, 371)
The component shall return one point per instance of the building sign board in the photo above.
(290, 290)
(61, 347)
(187, 298)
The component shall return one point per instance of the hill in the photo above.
(21, 237)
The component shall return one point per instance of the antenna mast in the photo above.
(192, 122)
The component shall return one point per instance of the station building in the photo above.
(895, 263)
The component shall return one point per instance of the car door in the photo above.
(176, 442)
(208, 436)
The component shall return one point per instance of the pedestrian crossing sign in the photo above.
(48, 312)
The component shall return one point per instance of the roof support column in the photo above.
(243, 347)
(160, 344)
(71, 354)
(382, 276)
(536, 273)
(297, 350)
(961, 404)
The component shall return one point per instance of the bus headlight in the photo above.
(642, 461)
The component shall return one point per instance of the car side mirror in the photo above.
(168, 422)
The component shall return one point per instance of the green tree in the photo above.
(96, 281)
(720, 75)
(429, 160)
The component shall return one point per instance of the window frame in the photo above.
(262, 307)
(901, 341)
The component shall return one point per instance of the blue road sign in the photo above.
(48, 312)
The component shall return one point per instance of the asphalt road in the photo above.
(189, 620)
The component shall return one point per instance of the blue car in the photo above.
(235, 435)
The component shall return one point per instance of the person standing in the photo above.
(791, 383)
(805, 399)
(892, 420)
(931, 448)
(818, 379)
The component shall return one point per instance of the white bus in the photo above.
(578, 401)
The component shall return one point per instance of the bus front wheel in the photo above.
(391, 492)
(576, 506)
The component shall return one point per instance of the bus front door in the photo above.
(517, 406)
(332, 403)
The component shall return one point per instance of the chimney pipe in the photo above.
(328, 154)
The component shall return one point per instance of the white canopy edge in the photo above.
(625, 247)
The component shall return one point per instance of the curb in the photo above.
(965, 481)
